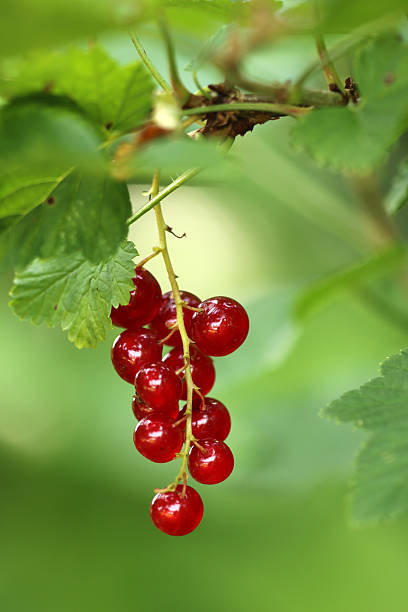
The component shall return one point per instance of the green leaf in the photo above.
(85, 213)
(211, 46)
(356, 138)
(49, 134)
(31, 25)
(337, 16)
(174, 156)
(41, 138)
(397, 195)
(320, 292)
(22, 190)
(340, 16)
(272, 335)
(75, 293)
(115, 97)
(380, 485)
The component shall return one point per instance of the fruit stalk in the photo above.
(162, 228)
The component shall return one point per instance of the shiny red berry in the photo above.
(212, 420)
(221, 327)
(144, 304)
(159, 386)
(156, 439)
(132, 349)
(202, 369)
(142, 410)
(167, 318)
(177, 514)
(212, 463)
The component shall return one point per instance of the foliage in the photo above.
(380, 407)
(74, 130)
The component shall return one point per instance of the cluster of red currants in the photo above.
(217, 327)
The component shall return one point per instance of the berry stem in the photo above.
(156, 251)
(161, 226)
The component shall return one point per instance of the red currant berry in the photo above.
(202, 369)
(156, 439)
(167, 318)
(158, 386)
(175, 514)
(211, 465)
(144, 304)
(210, 421)
(132, 349)
(141, 410)
(221, 327)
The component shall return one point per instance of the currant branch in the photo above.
(159, 196)
(162, 229)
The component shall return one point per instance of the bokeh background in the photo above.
(75, 531)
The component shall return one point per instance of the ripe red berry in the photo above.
(144, 304)
(202, 369)
(211, 465)
(132, 349)
(141, 410)
(176, 514)
(167, 318)
(158, 386)
(156, 439)
(221, 327)
(210, 421)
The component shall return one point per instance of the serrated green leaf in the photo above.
(85, 213)
(356, 138)
(75, 293)
(380, 483)
(380, 406)
(397, 196)
(115, 97)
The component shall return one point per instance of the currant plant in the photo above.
(76, 127)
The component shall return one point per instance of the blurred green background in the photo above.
(75, 530)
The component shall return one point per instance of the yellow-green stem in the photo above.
(162, 228)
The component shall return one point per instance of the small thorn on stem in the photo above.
(180, 370)
(170, 230)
